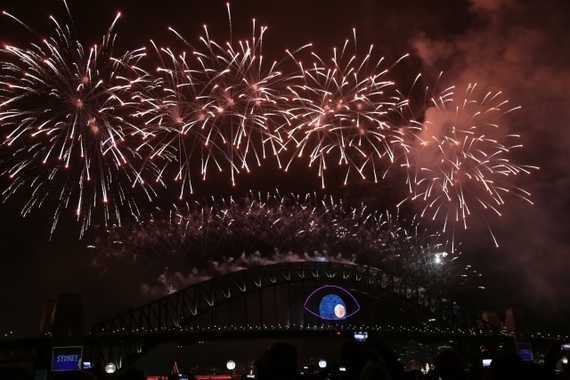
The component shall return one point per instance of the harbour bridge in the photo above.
(274, 302)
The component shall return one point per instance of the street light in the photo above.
(110, 367)
(231, 365)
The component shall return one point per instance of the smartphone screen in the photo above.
(360, 336)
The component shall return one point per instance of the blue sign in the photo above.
(66, 358)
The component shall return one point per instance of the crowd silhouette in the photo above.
(372, 359)
(375, 360)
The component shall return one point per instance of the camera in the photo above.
(360, 336)
(87, 365)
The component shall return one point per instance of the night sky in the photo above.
(517, 47)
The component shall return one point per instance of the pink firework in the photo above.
(459, 164)
(64, 116)
(342, 110)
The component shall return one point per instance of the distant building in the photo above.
(63, 318)
(516, 325)
(492, 318)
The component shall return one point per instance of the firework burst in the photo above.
(459, 163)
(220, 106)
(64, 125)
(342, 110)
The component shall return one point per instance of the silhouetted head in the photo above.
(374, 371)
(508, 366)
(75, 375)
(354, 356)
(449, 365)
(279, 362)
(133, 373)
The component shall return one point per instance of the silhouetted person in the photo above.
(547, 369)
(75, 375)
(308, 376)
(278, 363)
(507, 366)
(15, 373)
(480, 365)
(356, 355)
(374, 371)
(133, 373)
(414, 374)
(449, 365)
(387, 357)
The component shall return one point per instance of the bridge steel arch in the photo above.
(193, 311)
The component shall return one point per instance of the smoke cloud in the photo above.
(518, 47)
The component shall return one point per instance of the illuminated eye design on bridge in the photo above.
(331, 302)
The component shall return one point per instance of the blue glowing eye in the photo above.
(331, 302)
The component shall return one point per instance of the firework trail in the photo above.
(63, 117)
(235, 234)
(220, 106)
(343, 110)
(459, 162)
